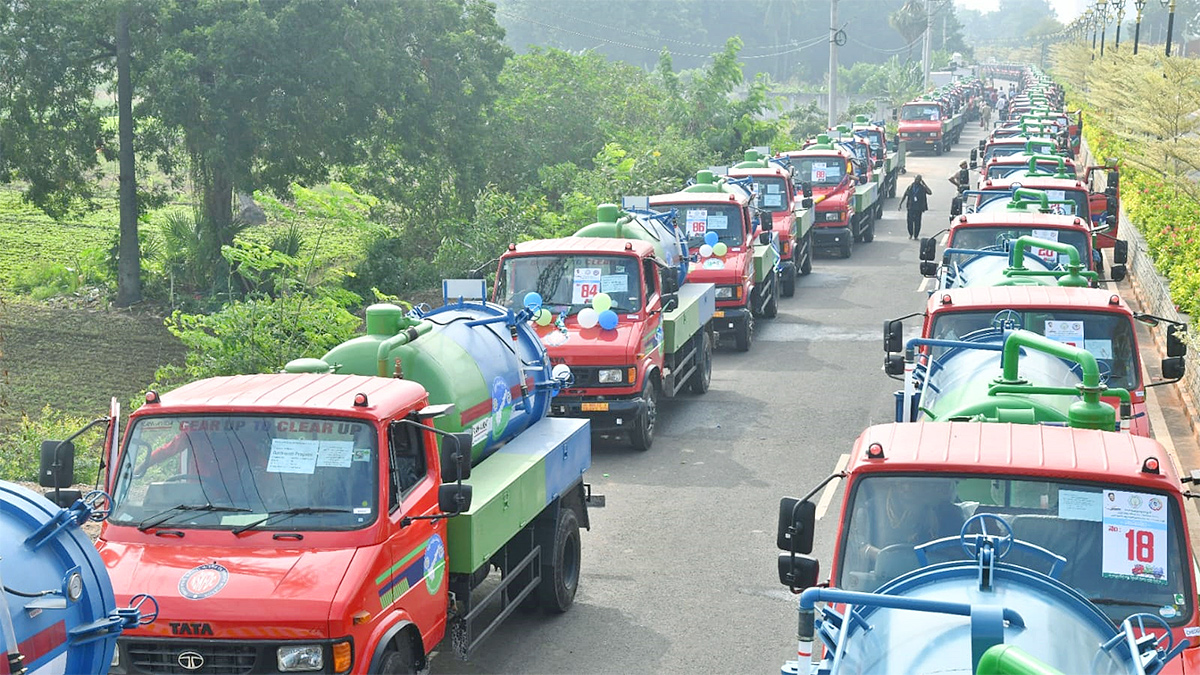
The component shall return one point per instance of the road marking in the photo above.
(925, 282)
(831, 487)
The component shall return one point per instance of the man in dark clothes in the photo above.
(915, 199)
(962, 176)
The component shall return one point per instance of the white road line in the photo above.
(831, 487)
(925, 286)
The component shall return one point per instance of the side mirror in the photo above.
(974, 154)
(670, 282)
(982, 144)
(1113, 180)
(929, 268)
(806, 202)
(806, 189)
(670, 302)
(1117, 272)
(893, 335)
(973, 164)
(797, 521)
(928, 248)
(1110, 220)
(1173, 368)
(956, 205)
(1175, 344)
(57, 468)
(454, 498)
(456, 457)
(798, 571)
(1120, 252)
(764, 237)
(893, 364)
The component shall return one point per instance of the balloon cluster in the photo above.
(713, 246)
(599, 314)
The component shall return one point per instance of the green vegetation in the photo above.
(1140, 109)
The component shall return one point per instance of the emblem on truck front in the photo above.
(190, 660)
(204, 581)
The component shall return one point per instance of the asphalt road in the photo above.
(679, 569)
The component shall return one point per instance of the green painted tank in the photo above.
(670, 246)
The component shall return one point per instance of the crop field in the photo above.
(29, 237)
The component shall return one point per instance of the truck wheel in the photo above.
(847, 247)
(937, 149)
(771, 309)
(789, 280)
(702, 378)
(869, 233)
(642, 436)
(744, 337)
(806, 264)
(879, 209)
(560, 579)
(400, 658)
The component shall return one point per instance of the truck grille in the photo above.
(163, 657)
(589, 376)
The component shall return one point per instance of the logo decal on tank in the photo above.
(501, 406)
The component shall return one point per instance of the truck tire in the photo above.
(869, 233)
(560, 579)
(400, 658)
(937, 148)
(744, 337)
(771, 309)
(847, 247)
(806, 264)
(789, 280)
(641, 437)
(702, 378)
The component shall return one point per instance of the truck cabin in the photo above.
(773, 191)
(1015, 167)
(569, 272)
(696, 214)
(1015, 145)
(994, 229)
(1066, 196)
(823, 170)
(874, 134)
(922, 111)
(1109, 503)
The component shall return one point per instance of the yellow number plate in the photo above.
(718, 314)
(594, 407)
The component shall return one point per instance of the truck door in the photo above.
(414, 580)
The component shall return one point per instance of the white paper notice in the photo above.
(1079, 505)
(335, 454)
(1045, 235)
(718, 221)
(1101, 349)
(293, 456)
(1066, 332)
(697, 222)
(1135, 536)
(586, 285)
(773, 188)
(614, 283)
(772, 200)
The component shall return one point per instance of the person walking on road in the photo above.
(985, 115)
(916, 200)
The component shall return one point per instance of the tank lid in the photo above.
(384, 319)
(306, 366)
(607, 213)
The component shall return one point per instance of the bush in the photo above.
(22, 447)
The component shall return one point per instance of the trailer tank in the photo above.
(57, 611)
(657, 229)
(479, 356)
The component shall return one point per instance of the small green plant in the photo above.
(22, 446)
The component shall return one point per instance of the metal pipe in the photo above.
(400, 339)
(811, 596)
(1017, 255)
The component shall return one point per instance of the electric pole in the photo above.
(833, 62)
(925, 50)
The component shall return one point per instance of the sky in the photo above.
(1066, 9)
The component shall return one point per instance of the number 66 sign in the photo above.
(1135, 536)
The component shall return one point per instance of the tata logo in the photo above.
(190, 660)
(194, 628)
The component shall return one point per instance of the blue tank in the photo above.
(59, 614)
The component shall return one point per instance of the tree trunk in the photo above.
(129, 260)
(218, 206)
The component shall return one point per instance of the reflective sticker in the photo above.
(1079, 505)
(292, 455)
(1191, 631)
(1066, 332)
(1134, 536)
(697, 222)
(335, 454)
(1167, 612)
(586, 285)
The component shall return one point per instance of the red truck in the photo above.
(929, 125)
(1100, 209)
(1093, 319)
(791, 215)
(846, 205)
(742, 262)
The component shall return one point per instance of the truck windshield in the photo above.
(1007, 149)
(222, 472)
(772, 193)
(696, 220)
(1007, 170)
(982, 237)
(920, 113)
(567, 283)
(820, 171)
(1125, 545)
(1107, 335)
(1078, 202)
(875, 139)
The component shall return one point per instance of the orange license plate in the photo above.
(594, 407)
(718, 314)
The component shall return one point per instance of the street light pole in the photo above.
(1170, 22)
(1094, 24)
(1120, 5)
(1137, 30)
(1102, 6)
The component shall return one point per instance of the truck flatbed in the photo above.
(697, 302)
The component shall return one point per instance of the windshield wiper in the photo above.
(1121, 602)
(284, 515)
(163, 516)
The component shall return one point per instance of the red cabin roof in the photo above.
(1014, 449)
(1027, 297)
(1019, 219)
(302, 393)
(604, 245)
(700, 198)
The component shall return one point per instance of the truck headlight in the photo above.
(724, 292)
(300, 658)
(610, 375)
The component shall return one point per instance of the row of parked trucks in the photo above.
(419, 483)
(1016, 517)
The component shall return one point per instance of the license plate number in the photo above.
(594, 407)
(718, 314)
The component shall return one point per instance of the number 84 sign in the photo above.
(1135, 536)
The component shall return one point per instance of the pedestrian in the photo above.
(915, 199)
(985, 115)
(962, 176)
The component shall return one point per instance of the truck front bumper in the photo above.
(831, 236)
(606, 413)
(730, 320)
(923, 143)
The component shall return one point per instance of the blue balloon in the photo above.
(533, 300)
(711, 238)
(608, 319)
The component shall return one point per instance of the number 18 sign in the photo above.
(1135, 536)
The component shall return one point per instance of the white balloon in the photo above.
(588, 317)
(705, 251)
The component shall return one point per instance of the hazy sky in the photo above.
(1066, 9)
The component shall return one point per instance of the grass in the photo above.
(29, 237)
